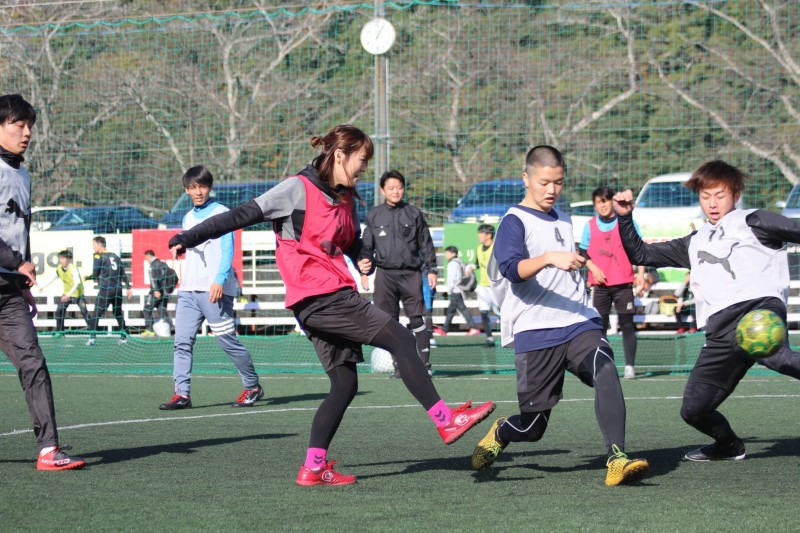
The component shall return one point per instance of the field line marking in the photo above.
(354, 407)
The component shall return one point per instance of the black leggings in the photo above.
(397, 340)
(699, 410)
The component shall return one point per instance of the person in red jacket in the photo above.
(315, 222)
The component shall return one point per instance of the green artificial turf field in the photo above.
(214, 468)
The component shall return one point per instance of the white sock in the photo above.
(47, 450)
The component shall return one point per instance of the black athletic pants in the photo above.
(20, 343)
(106, 297)
(61, 310)
(151, 303)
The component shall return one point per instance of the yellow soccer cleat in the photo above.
(622, 470)
(488, 448)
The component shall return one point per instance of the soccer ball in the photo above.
(760, 333)
(162, 328)
(380, 361)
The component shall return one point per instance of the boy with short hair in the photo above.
(18, 339)
(207, 291)
(486, 301)
(738, 263)
(611, 275)
(73, 292)
(108, 273)
(455, 294)
(546, 316)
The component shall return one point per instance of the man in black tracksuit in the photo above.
(109, 275)
(158, 296)
(18, 338)
(400, 238)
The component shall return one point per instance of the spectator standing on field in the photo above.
(73, 292)
(610, 273)
(455, 294)
(399, 236)
(18, 338)
(158, 296)
(109, 276)
(486, 301)
(208, 288)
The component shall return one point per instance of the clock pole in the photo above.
(381, 136)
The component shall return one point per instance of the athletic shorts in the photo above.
(721, 362)
(486, 300)
(393, 286)
(620, 295)
(338, 324)
(540, 373)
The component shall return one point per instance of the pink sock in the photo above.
(316, 458)
(440, 414)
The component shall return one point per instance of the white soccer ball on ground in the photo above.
(380, 361)
(162, 328)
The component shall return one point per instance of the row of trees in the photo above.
(129, 97)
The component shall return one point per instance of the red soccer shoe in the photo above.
(58, 460)
(324, 476)
(464, 419)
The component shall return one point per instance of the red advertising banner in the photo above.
(158, 241)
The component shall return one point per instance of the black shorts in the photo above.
(338, 324)
(540, 373)
(393, 286)
(721, 362)
(620, 295)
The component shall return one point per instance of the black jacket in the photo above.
(400, 238)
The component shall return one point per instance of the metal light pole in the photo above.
(381, 136)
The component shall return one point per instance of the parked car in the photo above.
(44, 217)
(228, 194)
(665, 208)
(791, 207)
(487, 201)
(104, 219)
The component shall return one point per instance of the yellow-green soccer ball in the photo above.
(760, 333)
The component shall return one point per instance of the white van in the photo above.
(666, 209)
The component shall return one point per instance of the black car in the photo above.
(104, 219)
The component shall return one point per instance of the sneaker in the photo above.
(58, 460)
(248, 397)
(715, 452)
(148, 333)
(463, 419)
(179, 401)
(440, 332)
(91, 342)
(473, 331)
(433, 343)
(681, 331)
(622, 470)
(692, 330)
(489, 340)
(122, 340)
(630, 373)
(488, 448)
(395, 374)
(324, 476)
